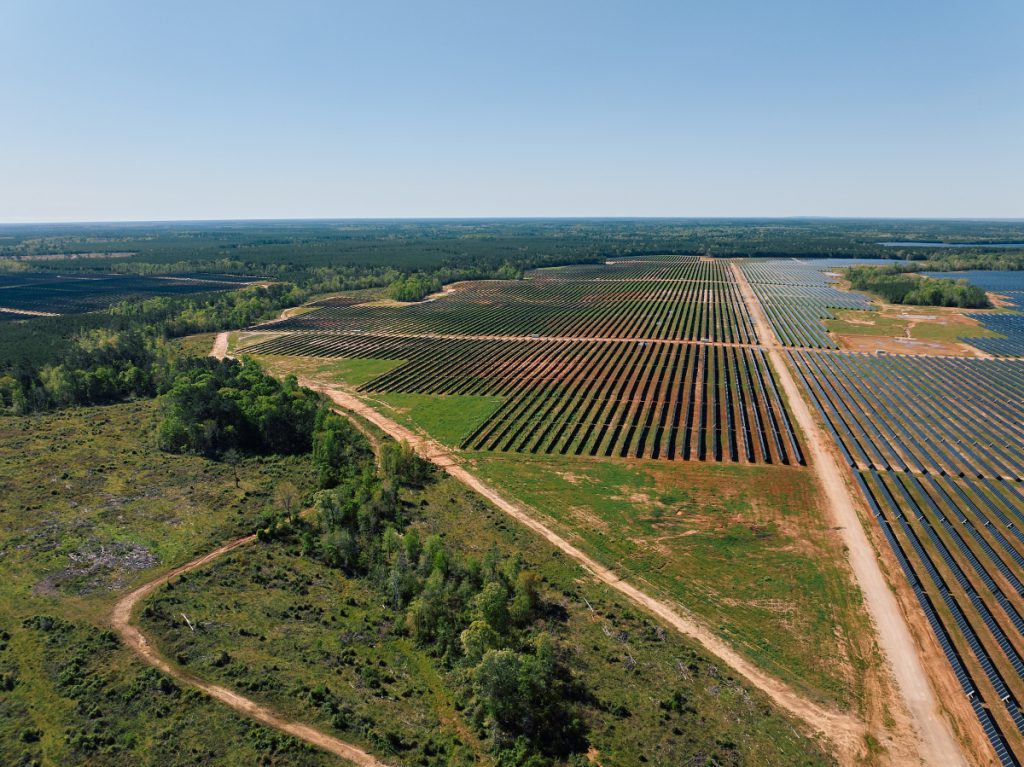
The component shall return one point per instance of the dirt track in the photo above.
(936, 744)
(220, 346)
(137, 642)
(845, 732)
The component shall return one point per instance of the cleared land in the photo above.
(89, 510)
(748, 550)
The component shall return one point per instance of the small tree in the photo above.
(286, 497)
(232, 458)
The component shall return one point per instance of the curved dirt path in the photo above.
(846, 732)
(936, 744)
(121, 620)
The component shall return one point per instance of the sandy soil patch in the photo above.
(900, 345)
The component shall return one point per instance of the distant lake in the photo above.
(952, 244)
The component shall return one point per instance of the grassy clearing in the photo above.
(355, 371)
(745, 548)
(290, 631)
(198, 345)
(923, 323)
(952, 328)
(351, 372)
(89, 509)
(448, 418)
(862, 323)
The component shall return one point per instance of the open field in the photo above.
(746, 549)
(909, 330)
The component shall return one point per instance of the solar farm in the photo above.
(657, 358)
(937, 447)
(27, 294)
(797, 296)
(1010, 287)
(645, 359)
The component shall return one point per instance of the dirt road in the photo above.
(220, 346)
(936, 744)
(121, 621)
(845, 732)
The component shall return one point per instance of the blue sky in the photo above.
(146, 110)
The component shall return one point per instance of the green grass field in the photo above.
(448, 418)
(745, 548)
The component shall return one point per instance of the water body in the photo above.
(952, 244)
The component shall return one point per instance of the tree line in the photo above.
(897, 286)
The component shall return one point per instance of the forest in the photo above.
(897, 286)
(284, 248)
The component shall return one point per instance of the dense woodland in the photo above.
(288, 247)
(897, 286)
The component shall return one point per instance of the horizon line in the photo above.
(416, 219)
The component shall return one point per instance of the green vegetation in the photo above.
(448, 418)
(27, 347)
(951, 330)
(212, 406)
(897, 286)
(854, 322)
(90, 509)
(743, 547)
(332, 648)
(945, 327)
(413, 287)
(349, 371)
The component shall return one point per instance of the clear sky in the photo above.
(163, 110)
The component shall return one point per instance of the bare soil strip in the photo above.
(220, 346)
(936, 744)
(137, 642)
(844, 731)
(28, 312)
(269, 326)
